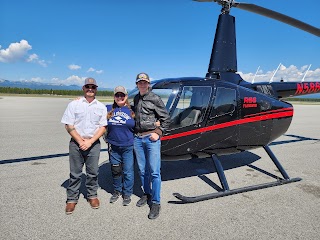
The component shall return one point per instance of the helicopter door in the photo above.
(188, 114)
(223, 113)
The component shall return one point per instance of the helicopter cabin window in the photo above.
(167, 96)
(224, 103)
(191, 106)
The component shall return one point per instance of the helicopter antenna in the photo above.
(271, 79)
(305, 73)
(255, 75)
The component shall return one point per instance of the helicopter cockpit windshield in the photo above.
(186, 104)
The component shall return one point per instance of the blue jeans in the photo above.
(123, 176)
(149, 162)
(77, 158)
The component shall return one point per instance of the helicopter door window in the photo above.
(191, 106)
(225, 102)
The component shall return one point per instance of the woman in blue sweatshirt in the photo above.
(120, 134)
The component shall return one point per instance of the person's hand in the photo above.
(85, 144)
(81, 144)
(154, 137)
(157, 123)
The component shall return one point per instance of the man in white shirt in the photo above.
(85, 120)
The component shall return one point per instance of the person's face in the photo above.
(120, 99)
(89, 90)
(143, 86)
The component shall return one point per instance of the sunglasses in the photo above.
(119, 95)
(90, 86)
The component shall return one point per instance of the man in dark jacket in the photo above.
(149, 111)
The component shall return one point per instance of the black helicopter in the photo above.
(222, 114)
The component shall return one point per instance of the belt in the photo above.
(141, 134)
(84, 138)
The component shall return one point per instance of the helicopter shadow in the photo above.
(199, 167)
(171, 170)
(296, 138)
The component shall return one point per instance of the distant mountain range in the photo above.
(39, 85)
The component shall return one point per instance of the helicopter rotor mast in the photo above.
(223, 58)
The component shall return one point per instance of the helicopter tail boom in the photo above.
(286, 89)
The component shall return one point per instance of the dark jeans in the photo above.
(77, 158)
(123, 157)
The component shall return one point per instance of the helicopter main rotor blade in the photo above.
(278, 16)
(267, 13)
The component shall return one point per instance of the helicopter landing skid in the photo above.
(225, 187)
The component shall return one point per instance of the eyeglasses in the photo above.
(143, 82)
(117, 95)
(90, 86)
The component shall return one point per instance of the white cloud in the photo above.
(36, 79)
(15, 52)
(19, 52)
(35, 58)
(282, 67)
(72, 80)
(74, 67)
(42, 63)
(288, 74)
(32, 57)
(94, 70)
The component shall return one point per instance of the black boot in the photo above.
(154, 211)
(143, 200)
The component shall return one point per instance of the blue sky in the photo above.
(65, 41)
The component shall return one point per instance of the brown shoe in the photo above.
(94, 203)
(70, 207)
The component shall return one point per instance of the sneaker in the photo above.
(154, 211)
(143, 200)
(126, 200)
(115, 196)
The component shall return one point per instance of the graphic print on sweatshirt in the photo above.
(119, 118)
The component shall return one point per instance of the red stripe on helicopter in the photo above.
(287, 113)
(271, 111)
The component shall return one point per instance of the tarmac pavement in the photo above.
(34, 171)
